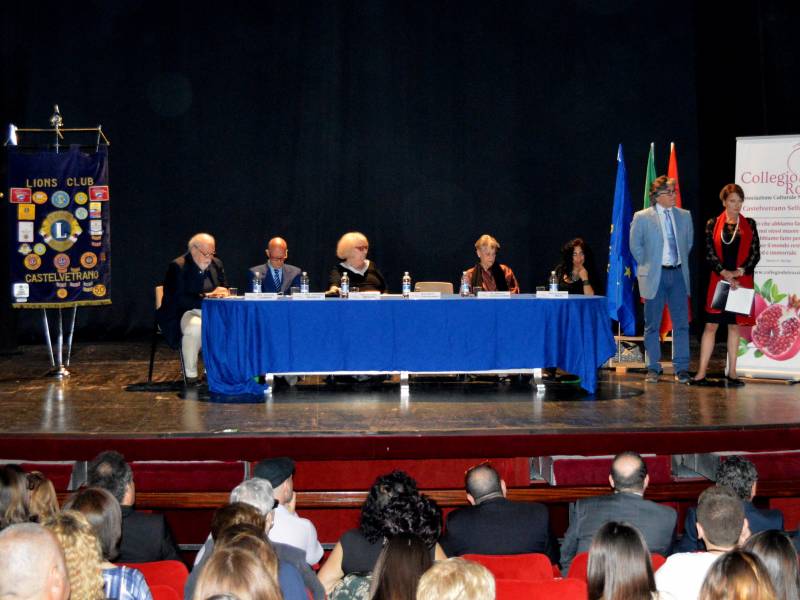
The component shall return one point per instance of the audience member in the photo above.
(393, 506)
(237, 573)
(456, 579)
(289, 527)
(257, 493)
(145, 537)
(43, 502)
(401, 563)
(487, 274)
(741, 476)
(619, 565)
(102, 511)
(779, 557)
(629, 479)
(32, 564)
(13, 496)
(492, 524)
(81, 552)
(721, 523)
(737, 575)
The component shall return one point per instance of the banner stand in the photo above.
(59, 365)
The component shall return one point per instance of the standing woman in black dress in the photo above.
(732, 252)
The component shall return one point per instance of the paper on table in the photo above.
(740, 300)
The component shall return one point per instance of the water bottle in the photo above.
(406, 285)
(553, 281)
(256, 284)
(344, 286)
(304, 283)
(464, 290)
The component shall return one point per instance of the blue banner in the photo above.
(619, 287)
(59, 214)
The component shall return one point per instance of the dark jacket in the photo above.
(145, 538)
(290, 277)
(499, 526)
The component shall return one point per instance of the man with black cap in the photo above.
(289, 528)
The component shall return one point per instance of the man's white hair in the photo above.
(28, 554)
(256, 492)
(201, 238)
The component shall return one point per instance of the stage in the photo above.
(108, 403)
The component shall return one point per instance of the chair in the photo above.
(164, 592)
(555, 589)
(525, 567)
(163, 573)
(579, 565)
(444, 287)
(157, 335)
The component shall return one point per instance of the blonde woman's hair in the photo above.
(456, 579)
(487, 240)
(81, 552)
(236, 572)
(247, 537)
(43, 502)
(349, 241)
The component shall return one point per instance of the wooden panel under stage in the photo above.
(107, 402)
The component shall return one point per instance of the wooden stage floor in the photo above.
(108, 400)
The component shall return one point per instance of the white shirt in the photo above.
(360, 271)
(683, 574)
(298, 532)
(665, 250)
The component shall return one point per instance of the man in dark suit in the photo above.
(741, 476)
(629, 479)
(196, 275)
(492, 524)
(145, 537)
(275, 275)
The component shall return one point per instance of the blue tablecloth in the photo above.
(245, 338)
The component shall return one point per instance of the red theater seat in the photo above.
(59, 473)
(164, 592)
(187, 476)
(163, 573)
(555, 589)
(594, 470)
(525, 567)
(577, 570)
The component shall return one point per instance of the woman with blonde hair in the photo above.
(488, 274)
(81, 553)
(237, 572)
(737, 575)
(456, 579)
(362, 273)
(43, 502)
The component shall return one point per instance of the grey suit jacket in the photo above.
(291, 277)
(656, 522)
(647, 247)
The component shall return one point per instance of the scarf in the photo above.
(745, 239)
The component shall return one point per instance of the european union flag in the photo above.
(619, 289)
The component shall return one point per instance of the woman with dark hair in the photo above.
(737, 575)
(619, 565)
(393, 506)
(779, 557)
(13, 496)
(402, 562)
(576, 271)
(732, 253)
(102, 511)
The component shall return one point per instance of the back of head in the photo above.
(483, 483)
(628, 472)
(456, 579)
(401, 563)
(737, 575)
(81, 552)
(233, 514)
(779, 557)
(721, 515)
(619, 564)
(108, 470)
(256, 492)
(245, 536)
(236, 572)
(102, 511)
(31, 564)
(13, 496)
(738, 474)
(43, 500)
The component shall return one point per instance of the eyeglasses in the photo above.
(667, 192)
(362, 248)
(206, 253)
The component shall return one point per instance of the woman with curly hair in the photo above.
(81, 552)
(576, 271)
(393, 506)
(13, 496)
(43, 502)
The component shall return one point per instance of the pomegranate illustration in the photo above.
(759, 306)
(777, 330)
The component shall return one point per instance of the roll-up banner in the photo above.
(768, 170)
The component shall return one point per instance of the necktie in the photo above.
(672, 244)
(276, 277)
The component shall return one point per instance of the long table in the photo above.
(243, 339)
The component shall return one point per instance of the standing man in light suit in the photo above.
(276, 276)
(661, 240)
